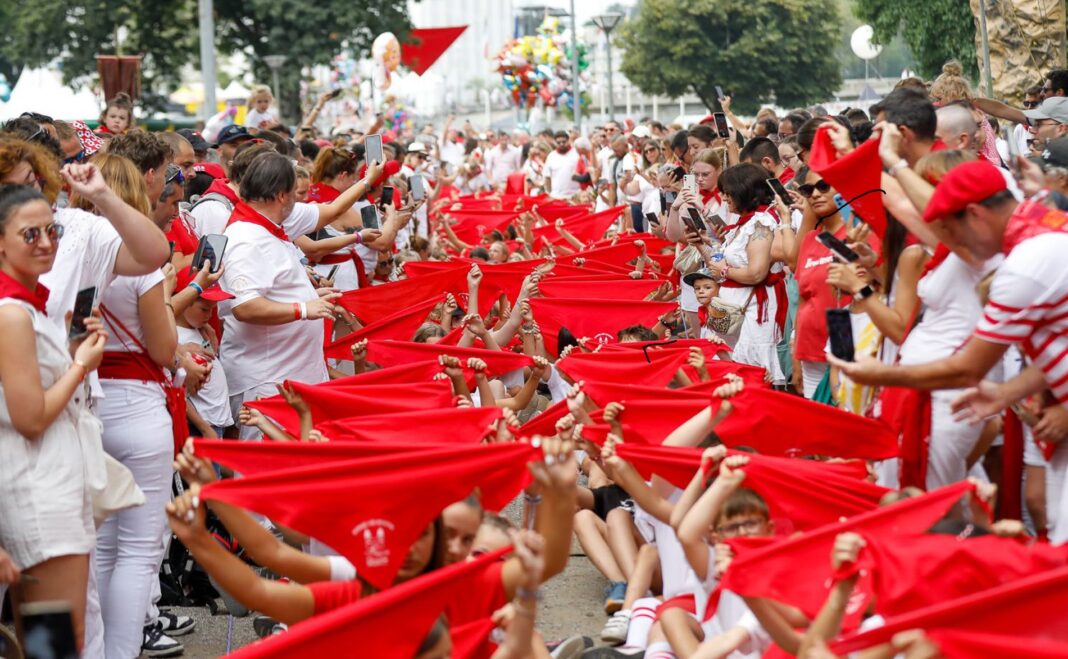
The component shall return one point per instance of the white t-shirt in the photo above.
(501, 163)
(452, 153)
(677, 575)
(213, 399)
(1029, 305)
(345, 278)
(210, 216)
(559, 168)
(260, 265)
(733, 612)
(256, 119)
(86, 257)
(121, 299)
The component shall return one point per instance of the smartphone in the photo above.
(333, 271)
(719, 93)
(369, 215)
(387, 195)
(48, 631)
(211, 248)
(171, 243)
(83, 308)
(335, 93)
(840, 250)
(779, 189)
(689, 182)
(669, 198)
(372, 145)
(651, 218)
(418, 188)
(721, 124)
(717, 221)
(840, 333)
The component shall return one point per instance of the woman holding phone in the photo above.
(52, 459)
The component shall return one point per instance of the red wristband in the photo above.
(296, 311)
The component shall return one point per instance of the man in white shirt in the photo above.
(502, 160)
(560, 167)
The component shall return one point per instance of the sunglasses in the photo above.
(31, 235)
(176, 175)
(1031, 104)
(808, 189)
(78, 157)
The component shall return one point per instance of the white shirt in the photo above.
(210, 216)
(213, 399)
(86, 257)
(256, 119)
(452, 153)
(260, 265)
(677, 575)
(559, 168)
(502, 162)
(1029, 305)
(121, 299)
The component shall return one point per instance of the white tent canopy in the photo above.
(235, 91)
(42, 90)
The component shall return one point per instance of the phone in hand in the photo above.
(333, 271)
(83, 308)
(418, 188)
(840, 333)
(211, 248)
(717, 221)
(372, 145)
(779, 190)
(694, 221)
(721, 124)
(387, 195)
(652, 218)
(369, 215)
(719, 93)
(48, 630)
(839, 249)
(689, 182)
(335, 93)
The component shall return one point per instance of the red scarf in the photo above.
(907, 412)
(1031, 219)
(708, 195)
(775, 281)
(940, 255)
(12, 288)
(245, 213)
(221, 186)
(631, 366)
(321, 193)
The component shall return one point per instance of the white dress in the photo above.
(47, 484)
(756, 342)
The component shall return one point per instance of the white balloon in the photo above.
(861, 43)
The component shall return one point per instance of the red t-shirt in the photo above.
(184, 239)
(330, 595)
(817, 295)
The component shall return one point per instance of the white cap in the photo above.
(641, 131)
(416, 147)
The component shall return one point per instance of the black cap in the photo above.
(195, 139)
(231, 133)
(1056, 153)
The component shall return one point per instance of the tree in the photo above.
(935, 30)
(756, 50)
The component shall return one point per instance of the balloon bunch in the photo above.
(538, 67)
(386, 53)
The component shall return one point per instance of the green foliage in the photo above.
(894, 58)
(935, 30)
(756, 50)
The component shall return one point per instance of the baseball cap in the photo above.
(231, 133)
(1054, 107)
(416, 147)
(1056, 153)
(641, 131)
(212, 293)
(195, 139)
(967, 183)
(703, 273)
(212, 169)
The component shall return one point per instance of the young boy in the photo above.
(209, 408)
(705, 288)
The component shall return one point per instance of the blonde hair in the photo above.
(951, 85)
(124, 178)
(303, 173)
(936, 164)
(712, 157)
(257, 92)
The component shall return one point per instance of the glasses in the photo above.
(31, 235)
(790, 158)
(697, 174)
(751, 525)
(1031, 104)
(78, 157)
(808, 189)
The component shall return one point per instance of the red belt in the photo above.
(776, 282)
(333, 259)
(129, 366)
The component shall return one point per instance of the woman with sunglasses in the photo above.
(50, 441)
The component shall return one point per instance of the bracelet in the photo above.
(296, 311)
(82, 365)
(196, 287)
(524, 594)
(304, 311)
(897, 167)
(359, 238)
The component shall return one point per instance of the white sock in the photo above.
(659, 650)
(642, 616)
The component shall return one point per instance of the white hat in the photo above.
(416, 147)
(641, 131)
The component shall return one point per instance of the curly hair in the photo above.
(45, 165)
(146, 150)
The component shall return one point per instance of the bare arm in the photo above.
(263, 548)
(759, 252)
(964, 368)
(317, 249)
(1000, 110)
(161, 337)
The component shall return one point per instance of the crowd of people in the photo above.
(796, 384)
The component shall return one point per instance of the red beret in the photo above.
(212, 169)
(389, 169)
(965, 184)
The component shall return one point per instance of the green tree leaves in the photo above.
(935, 30)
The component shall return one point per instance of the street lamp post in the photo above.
(274, 62)
(607, 23)
(207, 56)
(576, 101)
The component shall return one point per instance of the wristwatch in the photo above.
(897, 167)
(863, 294)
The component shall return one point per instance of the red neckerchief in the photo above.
(748, 216)
(938, 145)
(706, 196)
(221, 186)
(1031, 219)
(245, 213)
(321, 193)
(11, 287)
(941, 254)
(787, 175)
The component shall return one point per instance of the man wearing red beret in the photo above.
(1028, 305)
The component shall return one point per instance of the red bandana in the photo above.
(708, 195)
(498, 362)
(448, 426)
(650, 421)
(221, 186)
(956, 643)
(619, 366)
(1031, 219)
(401, 326)
(245, 213)
(10, 287)
(603, 393)
(378, 302)
(321, 193)
(253, 458)
(618, 288)
(593, 318)
(544, 423)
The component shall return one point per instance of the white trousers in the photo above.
(811, 374)
(951, 441)
(137, 433)
(1057, 494)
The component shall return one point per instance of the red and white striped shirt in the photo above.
(1029, 306)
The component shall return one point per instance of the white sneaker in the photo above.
(615, 630)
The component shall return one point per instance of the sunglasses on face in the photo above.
(808, 189)
(176, 175)
(31, 235)
(1031, 104)
(78, 157)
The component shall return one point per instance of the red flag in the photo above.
(450, 426)
(616, 288)
(1030, 607)
(544, 424)
(423, 371)
(776, 423)
(471, 640)
(377, 302)
(498, 362)
(372, 510)
(401, 326)
(604, 392)
(426, 45)
(327, 403)
(651, 421)
(251, 458)
(857, 176)
(586, 229)
(772, 571)
(406, 611)
(801, 494)
(633, 367)
(957, 643)
(595, 318)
